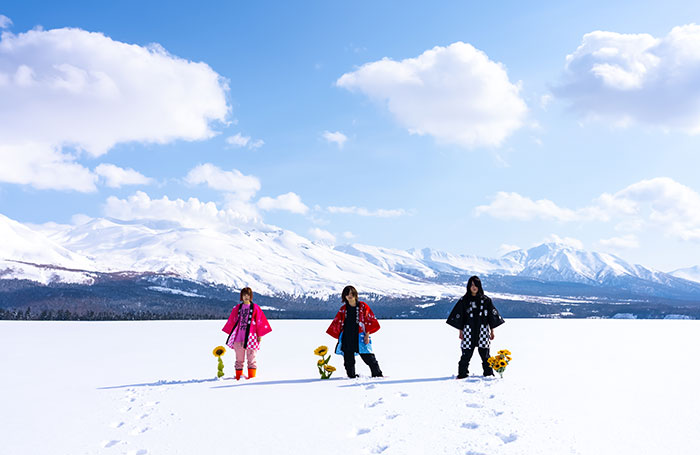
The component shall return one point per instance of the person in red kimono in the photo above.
(352, 326)
(245, 326)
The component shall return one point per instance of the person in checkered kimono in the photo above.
(476, 318)
(246, 325)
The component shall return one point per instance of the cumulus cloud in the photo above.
(660, 202)
(43, 167)
(506, 248)
(68, 91)
(625, 242)
(335, 138)
(361, 211)
(290, 202)
(513, 206)
(233, 181)
(238, 140)
(191, 213)
(322, 235)
(455, 94)
(116, 176)
(5, 22)
(568, 241)
(636, 78)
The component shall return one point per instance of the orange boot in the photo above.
(238, 374)
(251, 373)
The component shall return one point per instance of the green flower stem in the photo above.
(220, 369)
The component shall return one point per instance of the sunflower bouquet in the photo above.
(218, 352)
(324, 369)
(500, 361)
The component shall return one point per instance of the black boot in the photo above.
(349, 363)
(373, 365)
(463, 365)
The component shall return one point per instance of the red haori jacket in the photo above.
(368, 322)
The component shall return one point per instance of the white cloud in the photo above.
(44, 167)
(568, 241)
(335, 138)
(361, 211)
(625, 242)
(514, 206)
(243, 186)
(290, 202)
(505, 249)
(116, 176)
(69, 90)
(454, 93)
(321, 235)
(191, 213)
(238, 140)
(659, 202)
(628, 79)
(5, 22)
(348, 235)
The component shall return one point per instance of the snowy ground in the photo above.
(574, 387)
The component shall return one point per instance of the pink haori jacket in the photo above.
(258, 327)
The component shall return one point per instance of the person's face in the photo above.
(245, 298)
(473, 288)
(351, 299)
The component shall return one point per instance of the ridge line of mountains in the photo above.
(154, 268)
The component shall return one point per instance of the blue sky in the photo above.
(469, 127)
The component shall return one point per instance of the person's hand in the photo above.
(461, 335)
(493, 334)
(366, 338)
(259, 338)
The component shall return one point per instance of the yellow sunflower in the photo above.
(509, 358)
(321, 350)
(504, 352)
(329, 368)
(502, 364)
(320, 362)
(219, 351)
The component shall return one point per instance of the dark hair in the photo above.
(475, 280)
(246, 291)
(347, 291)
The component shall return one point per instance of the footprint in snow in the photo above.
(497, 413)
(376, 403)
(117, 424)
(507, 438)
(137, 452)
(403, 394)
(363, 431)
(471, 452)
(492, 396)
(143, 416)
(127, 409)
(391, 416)
(470, 425)
(111, 443)
(370, 387)
(380, 449)
(474, 405)
(140, 430)
(469, 391)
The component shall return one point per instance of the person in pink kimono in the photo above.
(245, 326)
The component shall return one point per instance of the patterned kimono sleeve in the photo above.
(456, 317)
(494, 317)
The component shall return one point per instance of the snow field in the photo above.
(573, 387)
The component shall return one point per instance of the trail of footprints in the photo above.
(481, 412)
(134, 421)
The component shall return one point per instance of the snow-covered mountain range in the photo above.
(278, 262)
